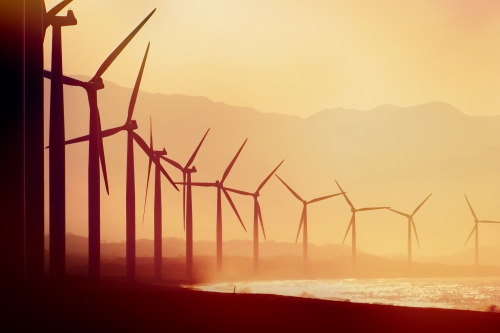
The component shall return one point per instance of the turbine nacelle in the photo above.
(132, 125)
(95, 84)
(162, 152)
(218, 184)
(189, 169)
(69, 19)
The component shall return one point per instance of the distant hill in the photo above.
(175, 247)
(390, 155)
(277, 261)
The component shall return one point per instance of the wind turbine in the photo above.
(219, 185)
(155, 157)
(57, 166)
(50, 16)
(411, 224)
(187, 208)
(96, 149)
(352, 223)
(257, 216)
(130, 126)
(303, 217)
(475, 230)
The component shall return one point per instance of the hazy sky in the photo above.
(298, 57)
(295, 57)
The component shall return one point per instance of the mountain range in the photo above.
(278, 260)
(387, 156)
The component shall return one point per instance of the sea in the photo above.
(476, 294)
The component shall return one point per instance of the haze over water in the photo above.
(478, 294)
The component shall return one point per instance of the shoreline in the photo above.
(77, 304)
(459, 291)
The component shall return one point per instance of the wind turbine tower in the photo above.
(57, 166)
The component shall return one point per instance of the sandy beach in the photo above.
(115, 305)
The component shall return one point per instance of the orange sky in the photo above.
(298, 57)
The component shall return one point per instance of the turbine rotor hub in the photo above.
(69, 19)
(133, 125)
(95, 84)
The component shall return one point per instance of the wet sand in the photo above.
(113, 305)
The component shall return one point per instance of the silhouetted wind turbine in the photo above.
(219, 185)
(50, 16)
(257, 216)
(187, 208)
(303, 217)
(352, 223)
(130, 126)
(476, 230)
(411, 224)
(96, 150)
(57, 166)
(155, 157)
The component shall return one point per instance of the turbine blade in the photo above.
(69, 81)
(324, 198)
(147, 186)
(201, 184)
(191, 159)
(104, 134)
(57, 8)
(77, 140)
(302, 216)
(398, 212)
(372, 208)
(184, 199)
(144, 146)
(109, 60)
(228, 197)
(150, 133)
(135, 92)
(348, 228)
(164, 172)
(259, 216)
(416, 209)
(112, 131)
(472, 210)
(268, 177)
(172, 162)
(237, 191)
(140, 141)
(230, 166)
(102, 156)
(47, 74)
(290, 189)
(488, 221)
(415, 230)
(473, 229)
(345, 195)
